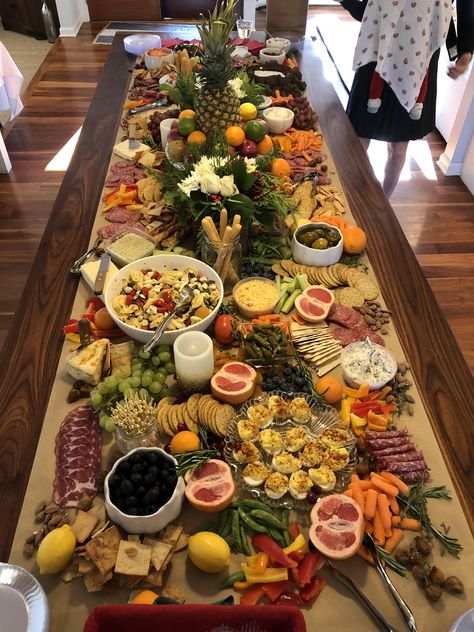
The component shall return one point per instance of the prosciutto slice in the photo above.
(78, 457)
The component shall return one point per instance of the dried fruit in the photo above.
(28, 549)
(403, 557)
(423, 545)
(436, 576)
(433, 593)
(39, 517)
(453, 584)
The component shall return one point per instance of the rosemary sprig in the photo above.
(415, 505)
(190, 460)
(306, 374)
(390, 561)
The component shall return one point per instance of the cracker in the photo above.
(350, 297)
(94, 581)
(98, 509)
(133, 558)
(171, 534)
(225, 415)
(190, 423)
(164, 419)
(84, 525)
(285, 264)
(103, 549)
(154, 579)
(85, 566)
(159, 552)
(277, 269)
(313, 276)
(121, 358)
(173, 592)
(166, 401)
(182, 542)
(368, 289)
(193, 403)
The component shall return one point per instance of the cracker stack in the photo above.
(198, 410)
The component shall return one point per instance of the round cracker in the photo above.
(368, 288)
(350, 297)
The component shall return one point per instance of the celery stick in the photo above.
(278, 281)
(290, 302)
(284, 289)
(287, 279)
(280, 303)
(292, 286)
(302, 281)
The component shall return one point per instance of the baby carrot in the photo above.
(381, 484)
(384, 511)
(348, 493)
(368, 527)
(370, 504)
(411, 524)
(365, 485)
(379, 531)
(357, 495)
(355, 478)
(394, 506)
(394, 480)
(394, 540)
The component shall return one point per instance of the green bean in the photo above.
(263, 342)
(267, 353)
(221, 521)
(251, 503)
(244, 540)
(230, 581)
(276, 535)
(249, 352)
(285, 519)
(251, 523)
(266, 518)
(228, 525)
(236, 530)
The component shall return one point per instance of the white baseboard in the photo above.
(448, 167)
(71, 31)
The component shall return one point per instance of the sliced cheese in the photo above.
(88, 363)
(121, 358)
(122, 149)
(90, 269)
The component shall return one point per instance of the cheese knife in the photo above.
(102, 273)
(148, 106)
(133, 143)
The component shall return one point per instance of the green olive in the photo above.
(320, 244)
(333, 238)
(308, 237)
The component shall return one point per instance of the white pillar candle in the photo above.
(165, 128)
(194, 360)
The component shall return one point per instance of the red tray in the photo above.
(202, 618)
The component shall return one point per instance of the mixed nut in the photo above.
(49, 516)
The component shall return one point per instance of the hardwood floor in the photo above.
(437, 216)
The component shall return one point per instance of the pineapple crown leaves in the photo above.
(217, 67)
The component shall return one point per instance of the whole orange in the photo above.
(354, 240)
(235, 135)
(280, 167)
(329, 388)
(265, 146)
(184, 441)
(144, 597)
(197, 137)
(187, 114)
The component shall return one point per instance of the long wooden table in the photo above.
(30, 356)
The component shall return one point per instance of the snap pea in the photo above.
(251, 503)
(221, 521)
(266, 518)
(230, 581)
(226, 529)
(285, 519)
(235, 533)
(244, 540)
(250, 522)
(276, 535)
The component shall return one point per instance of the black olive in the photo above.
(140, 491)
(151, 509)
(138, 467)
(132, 511)
(127, 487)
(154, 470)
(131, 501)
(136, 457)
(152, 458)
(169, 480)
(123, 468)
(152, 497)
(114, 481)
(136, 478)
(117, 493)
(149, 480)
(120, 503)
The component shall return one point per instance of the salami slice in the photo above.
(109, 231)
(120, 215)
(78, 457)
(414, 477)
(404, 457)
(386, 435)
(409, 466)
(389, 442)
(405, 447)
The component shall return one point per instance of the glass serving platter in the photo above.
(323, 417)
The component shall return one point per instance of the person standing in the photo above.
(393, 95)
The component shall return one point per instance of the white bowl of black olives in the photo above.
(142, 492)
(317, 244)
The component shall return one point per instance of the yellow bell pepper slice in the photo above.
(299, 545)
(73, 338)
(358, 422)
(270, 575)
(346, 411)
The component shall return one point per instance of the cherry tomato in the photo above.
(223, 329)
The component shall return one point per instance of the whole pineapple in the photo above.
(217, 104)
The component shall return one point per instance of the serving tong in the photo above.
(76, 266)
(311, 175)
(184, 297)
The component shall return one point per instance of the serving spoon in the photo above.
(185, 295)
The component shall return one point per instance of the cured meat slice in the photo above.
(110, 230)
(120, 215)
(78, 457)
(393, 450)
(414, 477)
(389, 442)
(384, 435)
(404, 457)
(410, 466)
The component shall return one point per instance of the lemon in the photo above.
(248, 111)
(209, 552)
(56, 550)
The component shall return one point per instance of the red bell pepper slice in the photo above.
(96, 302)
(294, 530)
(252, 595)
(297, 556)
(372, 396)
(312, 589)
(289, 599)
(311, 563)
(362, 408)
(264, 543)
(273, 590)
(107, 333)
(388, 408)
(71, 328)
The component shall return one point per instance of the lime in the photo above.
(186, 126)
(254, 131)
(209, 552)
(56, 550)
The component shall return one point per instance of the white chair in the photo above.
(11, 81)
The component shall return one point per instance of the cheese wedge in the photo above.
(122, 149)
(121, 358)
(87, 364)
(89, 272)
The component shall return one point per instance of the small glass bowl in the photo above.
(126, 442)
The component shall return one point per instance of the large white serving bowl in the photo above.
(278, 119)
(153, 62)
(139, 43)
(160, 263)
(153, 522)
(280, 43)
(312, 257)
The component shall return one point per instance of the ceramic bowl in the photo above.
(312, 257)
(268, 55)
(139, 43)
(253, 312)
(160, 263)
(152, 62)
(278, 119)
(240, 52)
(154, 522)
(389, 361)
(279, 43)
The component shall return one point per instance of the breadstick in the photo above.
(228, 256)
(226, 241)
(211, 231)
(222, 222)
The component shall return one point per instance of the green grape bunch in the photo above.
(148, 378)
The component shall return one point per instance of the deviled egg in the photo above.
(256, 473)
(285, 463)
(271, 441)
(300, 484)
(260, 415)
(334, 437)
(323, 477)
(247, 453)
(276, 485)
(279, 408)
(336, 458)
(295, 439)
(313, 453)
(248, 430)
(300, 410)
